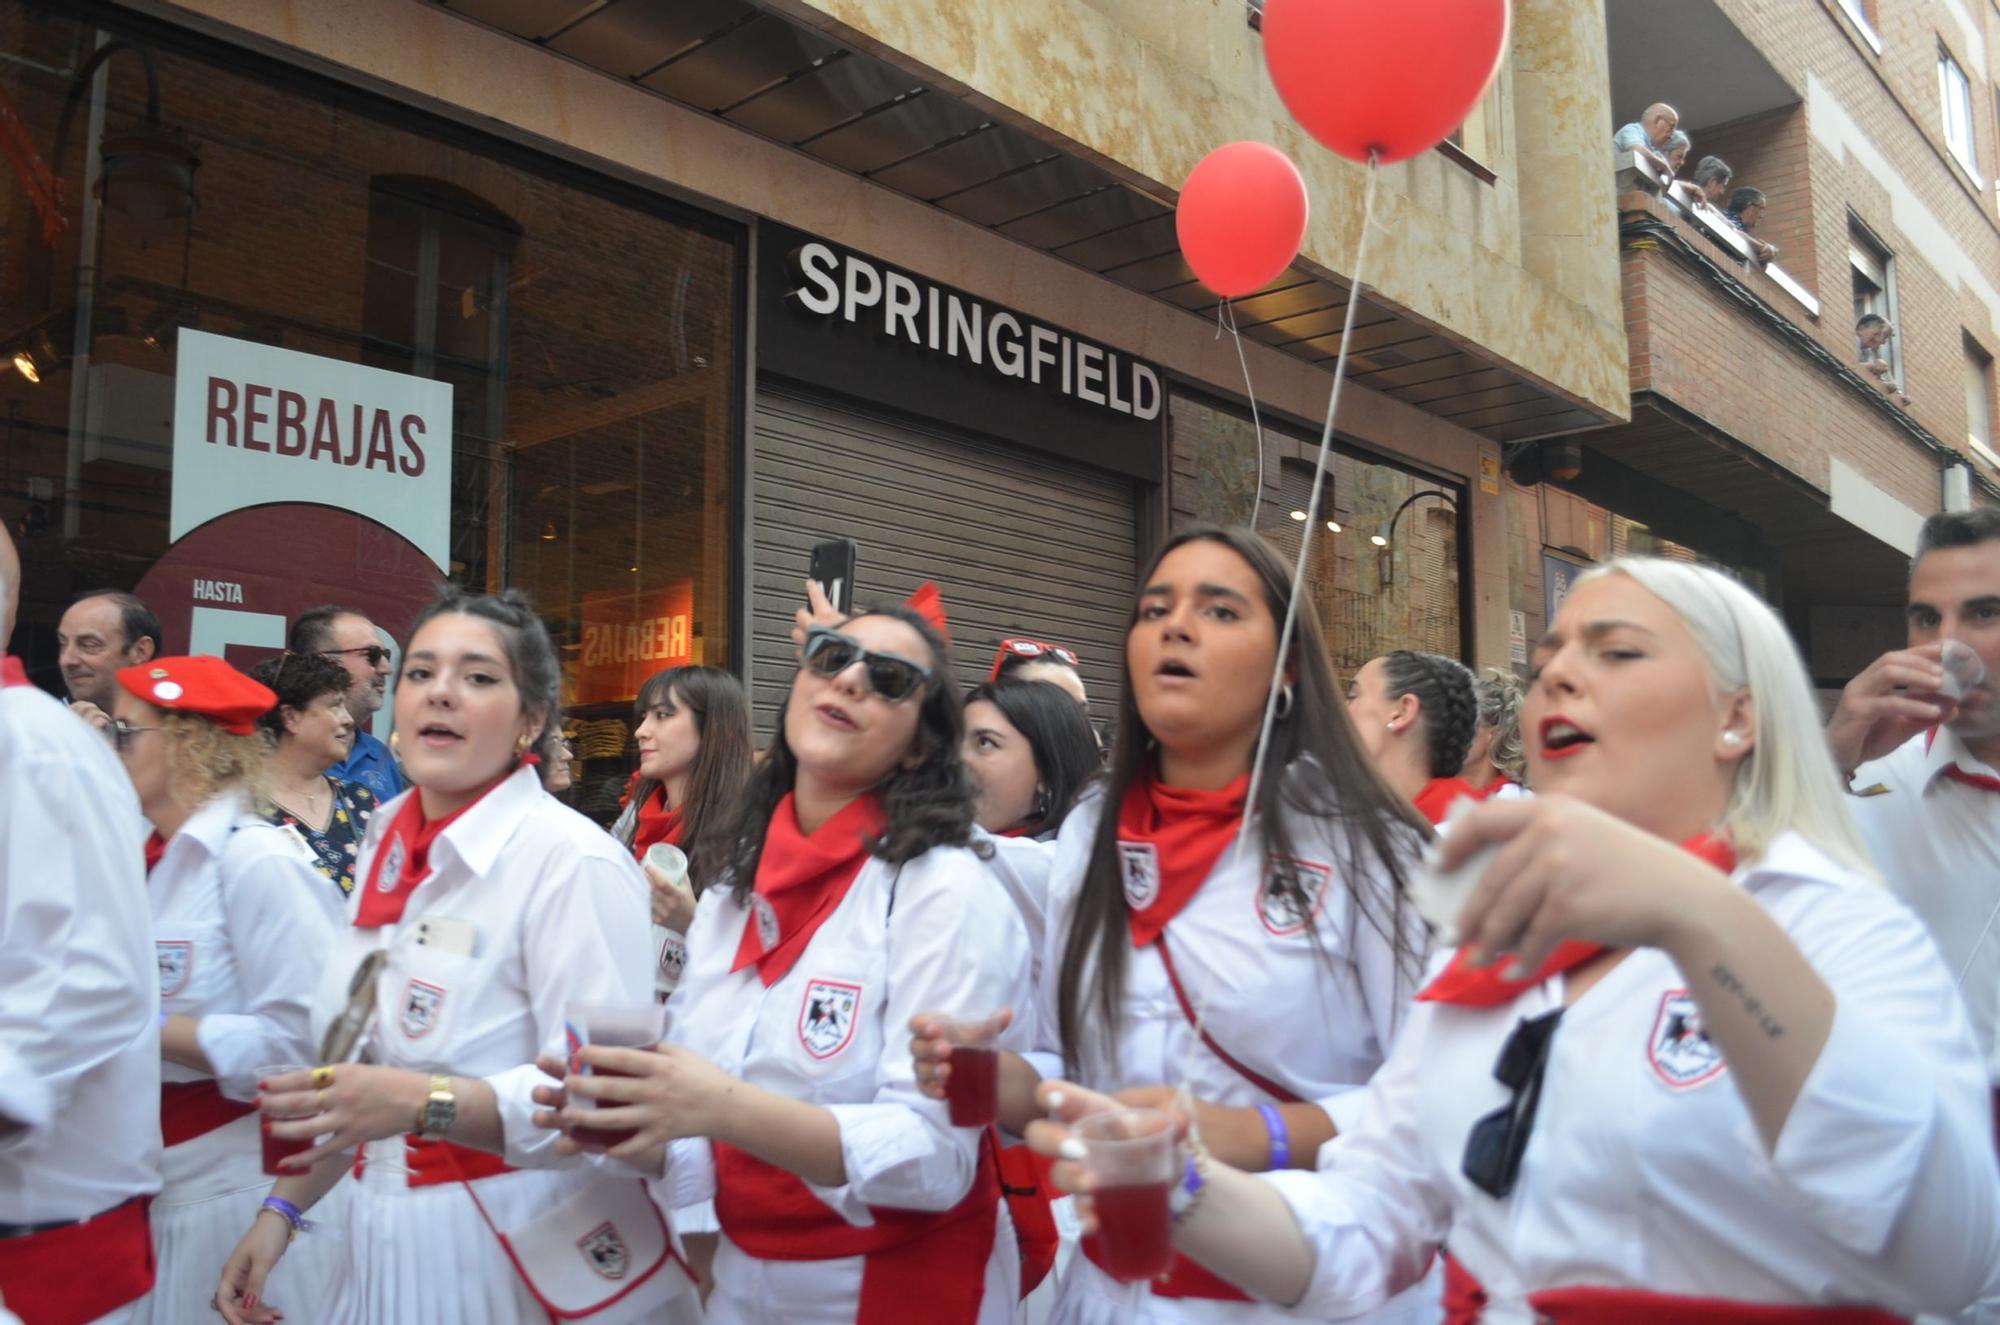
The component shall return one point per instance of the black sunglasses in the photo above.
(1494, 1147)
(894, 678)
(376, 654)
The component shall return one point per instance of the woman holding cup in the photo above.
(487, 912)
(1693, 1063)
(785, 1092)
(1295, 945)
(241, 933)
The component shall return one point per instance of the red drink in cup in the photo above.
(277, 1147)
(1129, 1155)
(619, 1025)
(972, 1088)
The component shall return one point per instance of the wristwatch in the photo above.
(440, 1111)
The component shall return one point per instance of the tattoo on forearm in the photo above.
(1754, 1006)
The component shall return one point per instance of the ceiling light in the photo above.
(1298, 515)
(549, 532)
(24, 363)
(1333, 526)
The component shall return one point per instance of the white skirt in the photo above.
(1089, 1296)
(424, 1255)
(753, 1291)
(211, 1190)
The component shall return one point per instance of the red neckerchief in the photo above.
(12, 673)
(1487, 791)
(1470, 986)
(1169, 839)
(1982, 781)
(656, 823)
(1439, 793)
(404, 859)
(801, 881)
(156, 847)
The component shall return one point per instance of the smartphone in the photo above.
(832, 566)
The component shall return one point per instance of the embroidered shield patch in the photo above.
(421, 1002)
(1141, 866)
(673, 958)
(391, 872)
(1680, 1051)
(767, 922)
(176, 957)
(1284, 912)
(826, 1016)
(605, 1251)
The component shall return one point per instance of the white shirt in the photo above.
(1022, 864)
(241, 935)
(1937, 841)
(1645, 1170)
(79, 1005)
(1316, 1018)
(933, 935)
(532, 909)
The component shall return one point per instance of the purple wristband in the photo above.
(163, 1021)
(1281, 1139)
(292, 1214)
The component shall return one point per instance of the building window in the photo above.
(1979, 402)
(1862, 12)
(1874, 276)
(1955, 94)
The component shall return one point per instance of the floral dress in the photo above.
(333, 850)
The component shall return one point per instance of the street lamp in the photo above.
(1385, 535)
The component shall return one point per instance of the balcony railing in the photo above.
(1638, 174)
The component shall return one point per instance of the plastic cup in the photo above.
(669, 945)
(276, 1147)
(1129, 1155)
(1964, 671)
(669, 860)
(972, 1090)
(616, 1025)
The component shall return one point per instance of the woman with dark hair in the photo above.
(693, 733)
(1296, 944)
(1031, 753)
(785, 1091)
(1038, 660)
(1416, 714)
(310, 731)
(489, 916)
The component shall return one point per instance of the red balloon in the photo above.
(1383, 77)
(1241, 218)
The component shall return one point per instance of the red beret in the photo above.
(205, 686)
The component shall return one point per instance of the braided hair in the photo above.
(1448, 703)
(1500, 698)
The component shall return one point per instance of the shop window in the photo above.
(1955, 97)
(1979, 402)
(1873, 273)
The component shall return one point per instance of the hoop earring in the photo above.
(1284, 701)
(522, 746)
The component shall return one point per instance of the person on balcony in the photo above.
(1711, 178)
(1872, 334)
(1677, 148)
(1746, 208)
(1649, 133)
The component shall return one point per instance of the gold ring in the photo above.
(322, 1077)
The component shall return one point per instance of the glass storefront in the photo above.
(587, 335)
(1400, 593)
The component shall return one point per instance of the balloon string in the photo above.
(1184, 1095)
(1225, 317)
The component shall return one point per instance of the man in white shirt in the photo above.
(79, 1006)
(1925, 769)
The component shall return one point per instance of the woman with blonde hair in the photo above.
(1692, 1063)
(1497, 764)
(241, 932)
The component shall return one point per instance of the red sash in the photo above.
(1169, 839)
(74, 1274)
(189, 1109)
(1024, 1180)
(1632, 1306)
(435, 1163)
(920, 1267)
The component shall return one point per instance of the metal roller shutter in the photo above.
(1019, 543)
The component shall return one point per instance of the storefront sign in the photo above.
(851, 323)
(826, 283)
(254, 424)
(1559, 575)
(629, 636)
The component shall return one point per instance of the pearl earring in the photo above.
(1732, 738)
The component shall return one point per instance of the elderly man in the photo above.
(1712, 175)
(101, 632)
(351, 639)
(1746, 208)
(1650, 131)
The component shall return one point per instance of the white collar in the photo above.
(477, 836)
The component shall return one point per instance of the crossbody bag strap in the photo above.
(1255, 1078)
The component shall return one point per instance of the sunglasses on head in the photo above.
(894, 678)
(1029, 648)
(375, 654)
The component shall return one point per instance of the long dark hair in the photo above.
(1058, 735)
(1315, 770)
(928, 805)
(721, 769)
